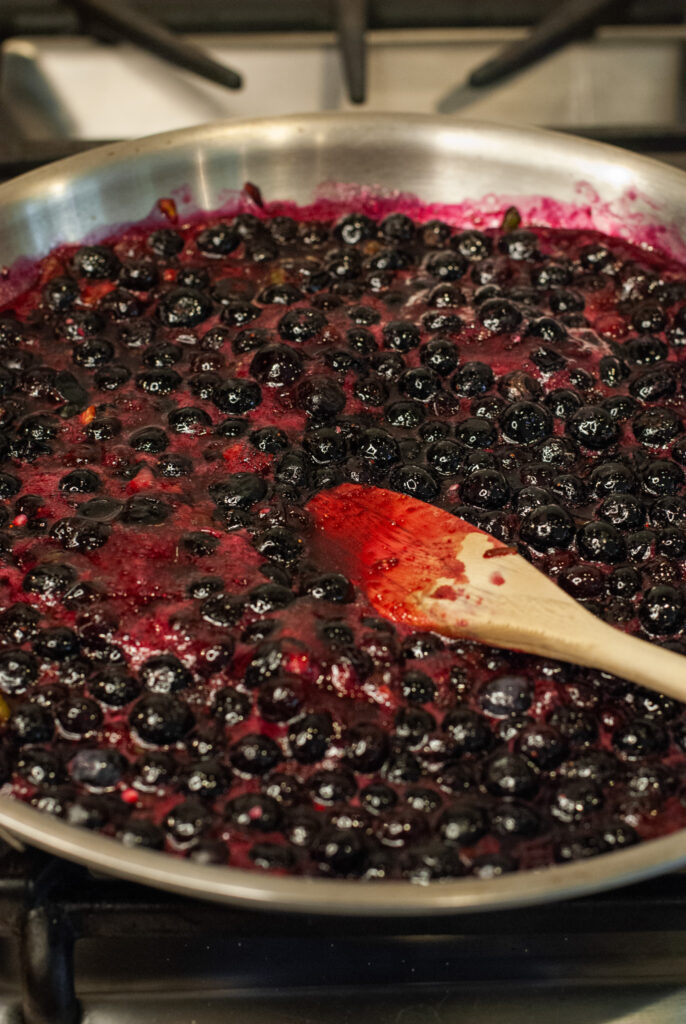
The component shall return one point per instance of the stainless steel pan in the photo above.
(439, 160)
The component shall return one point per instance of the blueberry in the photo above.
(662, 477)
(510, 775)
(655, 384)
(19, 622)
(513, 820)
(542, 745)
(592, 426)
(231, 706)
(499, 316)
(667, 512)
(31, 723)
(97, 769)
(398, 227)
(656, 427)
(506, 695)
(183, 307)
(309, 737)
(407, 415)
(446, 265)
(18, 670)
(547, 528)
(485, 488)
(601, 542)
(160, 719)
(645, 350)
(145, 510)
(378, 798)
(332, 786)
(95, 262)
(332, 587)
(354, 228)
(640, 738)
(416, 481)
(41, 768)
(157, 382)
(476, 432)
(463, 823)
(445, 458)
(218, 239)
(420, 384)
(92, 352)
(111, 377)
(472, 378)
(439, 320)
(187, 822)
(321, 398)
(525, 422)
(301, 324)
(57, 643)
(325, 446)
(255, 755)
(340, 852)
(401, 335)
(173, 465)
(114, 686)
(468, 731)
(417, 687)
(164, 673)
(79, 716)
(662, 610)
(365, 747)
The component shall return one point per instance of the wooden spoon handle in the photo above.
(602, 646)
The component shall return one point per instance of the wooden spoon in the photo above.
(420, 565)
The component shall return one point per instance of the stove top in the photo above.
(76, 948)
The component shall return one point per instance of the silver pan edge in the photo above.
(439, 160)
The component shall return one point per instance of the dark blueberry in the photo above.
(165, 243)
(640, 545)
(662, 610)
(622, 510)
(80, 481)
(222, 610)
(417, 687)
(387, 365)
(506, 695)
(19, 622)
(662, 477)
(31, 723)
(640, 738)
(499, 316)
(485, 488)
(422, 645)
(667, 512)
(525, 422)
(77, 534)
(371, 392)
(547, 359)
(547, 528)
(612, 371)
(114, 686)
(476, 432)
(18, 670)
(416, 481)
(60, 293)
(645, 351)
(79, 716)
(40, 768)
(187, 822)
(92, 352)
(269, 597)
(309, 737)
(398, 227)
(231, 706)
(321, 398)
(574, 799)
(407, 415)
(325, 446)
(420, 383)
(362, 341)
(160, 720)
(149, 439)
(510, 775)
(468, 730)
(240, 490)
(183, 307)
(445, 457)
(158, 382)
(401, 335)
(162, 354)
(218, 239)
(446, 265)
(365, 747)
(378, 798)
(340, 852)
(463, 823)
(335, 786)
(656, 427)
(95, 262)
(97, 769)
(231, 427)
(301, 324)
(205, 779)
(143, 510)
(672, 543)
(174, 465)
(10, 485)
(601, 542)
(655, 384)
(354, 228)
(280, 699)
(237, 395)
(519, 244)
(141, 834)
(164, 673)
(57, 643)
(570, 489)
(330, 587)
(121, 304)
(440, 320)
(610, 478)
(111, 377)
(473, 245)
(515, 821)
(592, 426)
(255, 755)
(542, 745)
(473, 378)
(582, 581)
(103, 428)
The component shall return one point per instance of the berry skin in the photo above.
(160, 720)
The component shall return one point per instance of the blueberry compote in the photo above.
(176, 669)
